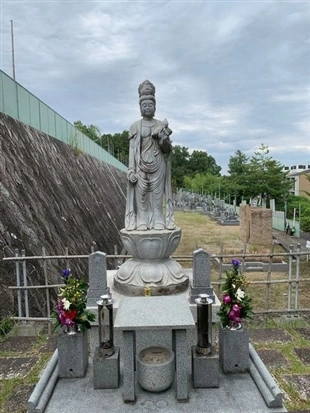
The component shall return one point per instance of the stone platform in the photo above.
(234, 393)
(77, 395)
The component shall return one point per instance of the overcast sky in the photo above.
(229, 75)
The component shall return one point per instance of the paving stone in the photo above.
(301, 384)
(270, 335)
(18, 401)
(304, 332)
(18, 344)
(303, 354)
(13, 367)
(272, 358)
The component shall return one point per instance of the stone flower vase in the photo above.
(234, 349)
(155, 368)
(72, 353)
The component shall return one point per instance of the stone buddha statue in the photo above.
(149, 171)
(150, 235)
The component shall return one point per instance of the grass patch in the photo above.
(74, 143)
(6, 325)
(200, 231)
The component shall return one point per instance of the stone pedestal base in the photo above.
(234, 350)
(151, 265)
(205, 370)
(106, 370)
(72, 354)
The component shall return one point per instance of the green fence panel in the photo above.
(278, 220)
(44, 117)
(51, 122)
(58, 127)
(64, 127)
(9, 90)
(61, 129)
(34, 112)
(1, 92)
(84, 142)
(72, 135)
(92, 147)
(23, 105)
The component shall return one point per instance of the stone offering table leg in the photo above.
(129, 394)
(181, 365)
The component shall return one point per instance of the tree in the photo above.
(92, 131)
(237, 165)
(206, 184)
(308, 179)
(266, 177)
(201, 162)
(238, 168)
(117, 145)
(301, 204)
(179, 167)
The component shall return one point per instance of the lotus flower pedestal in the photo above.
(151, 265)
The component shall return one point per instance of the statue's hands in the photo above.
(162, 132)
(156, 133)
(132, 177)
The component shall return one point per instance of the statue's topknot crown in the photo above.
(146, 88)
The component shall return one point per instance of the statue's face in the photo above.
(147, 108)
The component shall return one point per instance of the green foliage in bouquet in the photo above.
(236, 305)
(71, 305)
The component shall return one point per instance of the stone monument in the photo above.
(150, 235)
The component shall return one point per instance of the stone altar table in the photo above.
(152, 316)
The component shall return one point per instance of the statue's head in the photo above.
(146, 96)
(146, 88)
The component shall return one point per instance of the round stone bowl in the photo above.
(155, 368)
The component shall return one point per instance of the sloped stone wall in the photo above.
(52, 196)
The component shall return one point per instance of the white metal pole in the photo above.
(13, 57)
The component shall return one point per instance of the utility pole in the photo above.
(13, 59)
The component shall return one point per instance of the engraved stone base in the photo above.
(205, 370)
(151, 265)
(106, 370)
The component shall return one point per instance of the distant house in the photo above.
(298, 174)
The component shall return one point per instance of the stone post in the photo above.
(97, 286)
(97, 278)
(201, 275)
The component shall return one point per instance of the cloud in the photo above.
(228, 75)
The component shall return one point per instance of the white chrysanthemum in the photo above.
(240, 294)
(66, 303)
